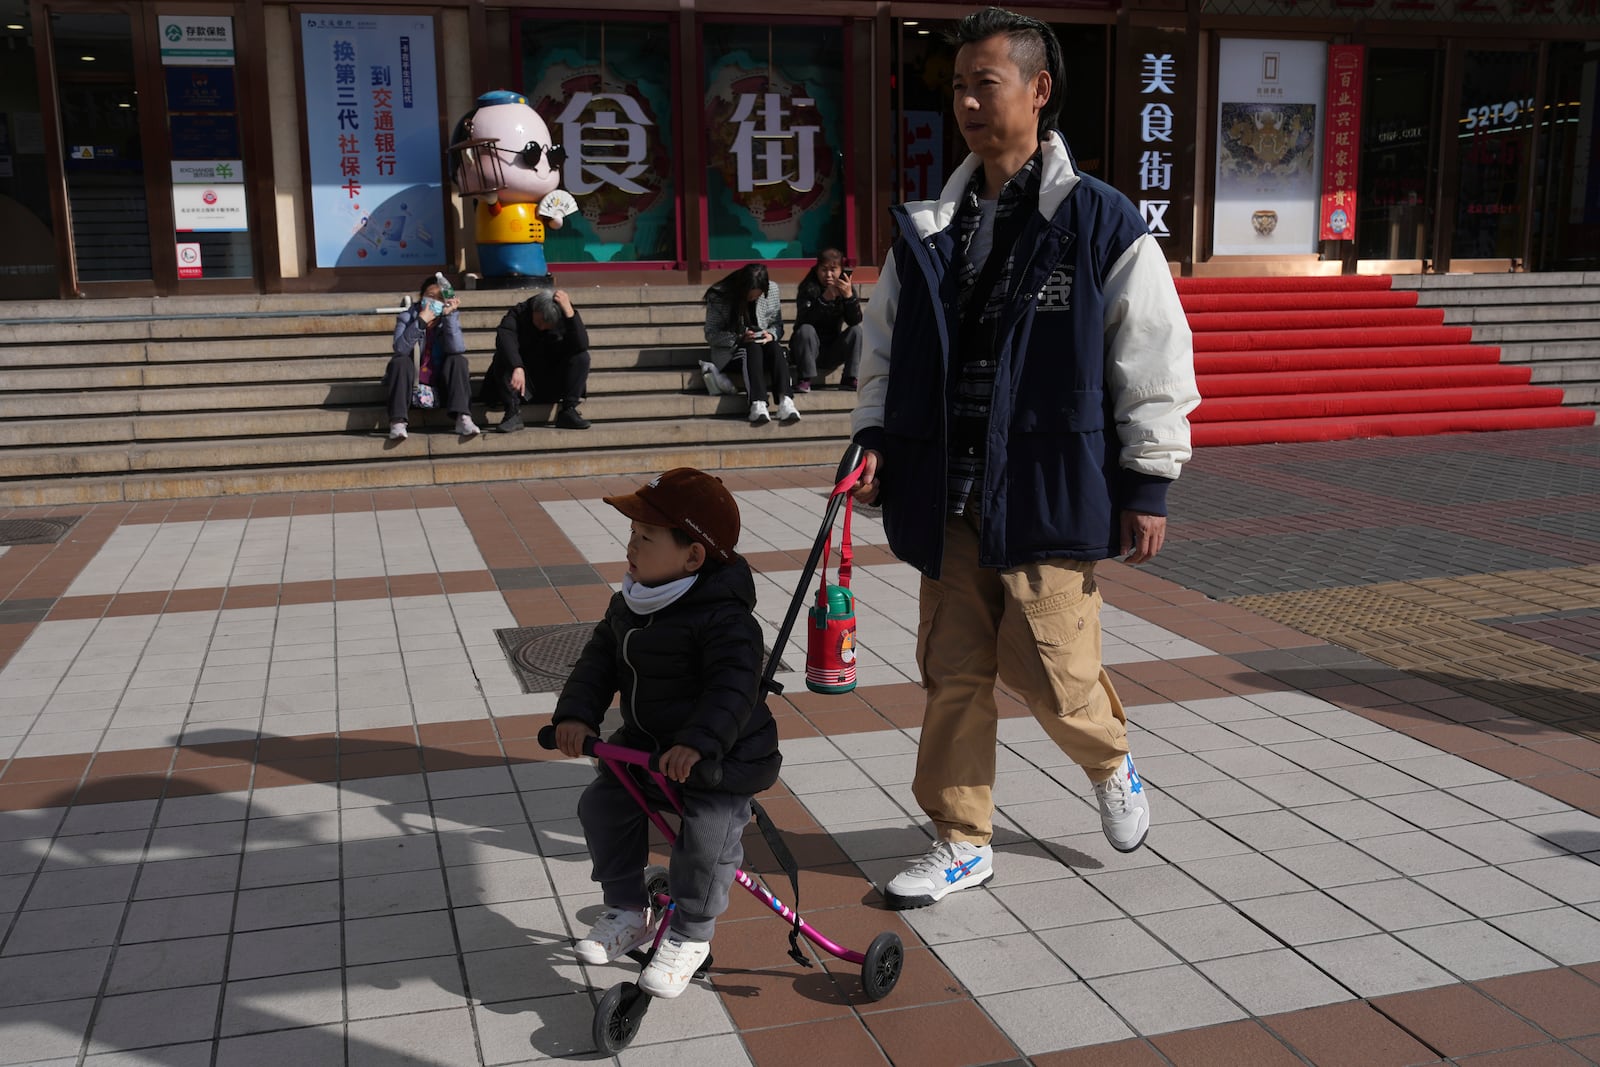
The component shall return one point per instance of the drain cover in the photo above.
(543, 656)
(34, 531)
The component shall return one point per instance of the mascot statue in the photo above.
(503, 156)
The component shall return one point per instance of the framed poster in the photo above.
(372, 134)
(1268, 146)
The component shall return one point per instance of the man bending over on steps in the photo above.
(541, 352)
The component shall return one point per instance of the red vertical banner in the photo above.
(1341, 147)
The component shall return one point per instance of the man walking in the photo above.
(1025, 383)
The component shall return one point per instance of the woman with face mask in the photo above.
(429, 365)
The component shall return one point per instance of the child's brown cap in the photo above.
(689, 500)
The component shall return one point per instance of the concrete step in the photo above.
(379, 327)
(437, 442)
(315, 419)
(1536, 333)
(1507, 280)
(1566, 295)
(1517, 314)
(1566, 371)
(784, 451)
(1543, 351)
(366, 389)
(303, 367)
(480, 348)
(290, 304)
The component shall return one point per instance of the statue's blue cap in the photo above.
(501, 96)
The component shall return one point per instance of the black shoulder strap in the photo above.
(785, 858)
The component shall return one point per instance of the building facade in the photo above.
(152, 148)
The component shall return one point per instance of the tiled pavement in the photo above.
(269, 794)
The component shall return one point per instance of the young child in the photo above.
(682, 645)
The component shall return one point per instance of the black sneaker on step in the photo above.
(569, 419)
(509, 424)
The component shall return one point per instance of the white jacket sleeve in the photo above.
(1149, 361)
(877, 328)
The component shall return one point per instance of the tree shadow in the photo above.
(500, 968)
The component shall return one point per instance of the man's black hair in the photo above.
(1033, 48)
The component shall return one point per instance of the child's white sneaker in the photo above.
(618, 932)
(397, 431)
(675, 963)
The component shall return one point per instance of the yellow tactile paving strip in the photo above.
(1432, 627)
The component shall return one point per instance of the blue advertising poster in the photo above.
(372, 123)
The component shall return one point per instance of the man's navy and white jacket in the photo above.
(1095, 377)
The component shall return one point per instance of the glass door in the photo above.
(28, 255)
(103, 153)
(1399, 154)
(1494, 135)
(1567, 206)
(153, 154)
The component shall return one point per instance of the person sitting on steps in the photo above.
(429, 350)
(827, 324)
(541, 352)
(744, 323)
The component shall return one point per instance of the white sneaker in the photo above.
(466, 427)
(397, 431)
(674, 965)
(617, 933)
(948, 866)
(758, 413)
(1124, 808)
(787, 415)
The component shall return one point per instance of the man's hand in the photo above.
(519, 382)
(677, 761)
(570, 735)
(1142, 535)
(564, 302)
(866, 490)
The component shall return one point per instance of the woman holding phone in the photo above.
(744, 325)
(827, 324)
(429, 365)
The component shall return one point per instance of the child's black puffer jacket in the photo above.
(688, 675)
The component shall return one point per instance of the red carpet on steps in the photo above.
(1323, 359)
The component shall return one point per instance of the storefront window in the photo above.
(1495, 130)
(1399, 147)
(775, 133)
(208, 187)
(605, 90)
(1568, 219)
(930, 145)
(28, 254)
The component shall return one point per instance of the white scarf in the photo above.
(649, 599)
